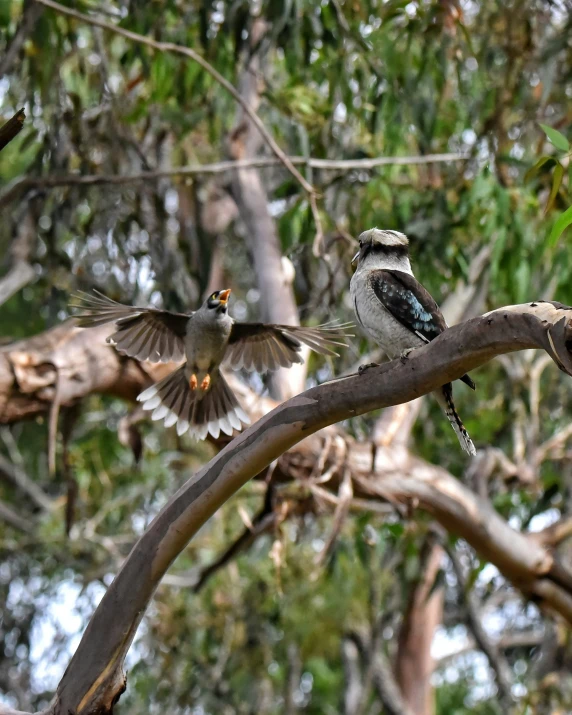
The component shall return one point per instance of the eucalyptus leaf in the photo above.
(561, 224)
(556, 137)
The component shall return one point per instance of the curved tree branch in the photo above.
(94, 678)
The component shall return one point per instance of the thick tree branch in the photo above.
(94, 677)
(27, 376)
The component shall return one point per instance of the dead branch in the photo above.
(44, 183)
(11, 128)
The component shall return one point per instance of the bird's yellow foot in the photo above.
(193, 382)
(206, 383)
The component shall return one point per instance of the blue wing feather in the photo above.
(410, 304)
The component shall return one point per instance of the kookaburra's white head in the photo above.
(382, 249)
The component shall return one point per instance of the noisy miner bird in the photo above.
(396, 311)
(196, 397)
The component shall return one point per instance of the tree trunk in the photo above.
(277, 295)
(414, 664)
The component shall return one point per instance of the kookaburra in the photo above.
(396, 311)
(196, 397)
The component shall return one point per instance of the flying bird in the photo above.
(396, 311)
(196, 397)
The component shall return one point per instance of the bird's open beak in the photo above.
(354, 260)
(223, 296)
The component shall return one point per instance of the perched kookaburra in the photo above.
(196, 397)
(396, 311)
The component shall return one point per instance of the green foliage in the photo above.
(562, 144)
(561, 224)
(556, 137)
(342, 80)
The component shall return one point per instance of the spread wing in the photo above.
(410, 304)
(142, 333)
(261, 347)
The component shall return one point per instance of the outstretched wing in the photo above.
(261, 347)
(142, 333)
(406, 299)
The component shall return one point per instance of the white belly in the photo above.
(377, 322)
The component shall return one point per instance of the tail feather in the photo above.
(197, 412)
(445, 399)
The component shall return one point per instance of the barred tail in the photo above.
(215, 410)
(445, 399)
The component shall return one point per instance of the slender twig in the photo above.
(196, 57)
(526, 639)
(16, 475)
(8, 515)
(220, 167)
(474, 618)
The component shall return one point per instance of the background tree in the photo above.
(322, 586)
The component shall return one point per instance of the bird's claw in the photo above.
(363, 368)
(206, 383)
(193, 382)
(405, 354)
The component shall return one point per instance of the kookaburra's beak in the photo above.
(354, 260)
(223, 296)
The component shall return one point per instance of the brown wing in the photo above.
(261, 347)
(142, 333)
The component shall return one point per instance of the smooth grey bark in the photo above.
(94, 678)
(278, 303)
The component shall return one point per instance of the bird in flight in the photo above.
(396, 311)
(195, 396)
